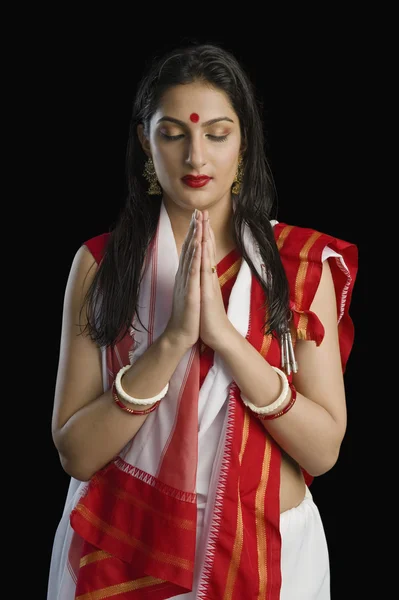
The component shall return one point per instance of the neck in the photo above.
(221, 219)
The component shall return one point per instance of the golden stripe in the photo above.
(261, 522)
(93, 557)
(231, 271)
(245, 434)
(303, 267)
(283, 236)
(121, 588)
(131, 541)
(187, 524)
(267, 340)
(236, 554)
(239, 539)
(302, 334)
(301, 330)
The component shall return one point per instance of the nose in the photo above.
(196, 153)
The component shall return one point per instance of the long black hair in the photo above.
(111, 301)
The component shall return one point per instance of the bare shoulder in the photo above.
(84, 264)
(324, 303)
(81, 275)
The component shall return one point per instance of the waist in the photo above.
(293, 488)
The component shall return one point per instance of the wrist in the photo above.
(226, 338)
(271, 409)
(171, 341)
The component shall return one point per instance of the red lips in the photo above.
(196, 181)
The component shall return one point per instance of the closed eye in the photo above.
(218, 138)
(172, 137)
(214, 138)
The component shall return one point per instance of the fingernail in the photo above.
(195, 213)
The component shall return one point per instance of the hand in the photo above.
(183, 325)
(213, 319)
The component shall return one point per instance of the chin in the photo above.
(190, 199)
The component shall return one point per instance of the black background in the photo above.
(81, 79)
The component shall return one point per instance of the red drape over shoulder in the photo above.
(301, 250)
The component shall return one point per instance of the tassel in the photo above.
(288, 362)
(288, 368)
(293, 363)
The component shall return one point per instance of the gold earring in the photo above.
(151, 177)
(238, 178)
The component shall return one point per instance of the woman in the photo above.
(190, 428)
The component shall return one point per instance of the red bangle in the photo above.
(132, 411)
(284, 410)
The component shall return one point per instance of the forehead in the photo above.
(182, 100)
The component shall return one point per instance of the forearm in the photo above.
(307, 432)
(96, 433)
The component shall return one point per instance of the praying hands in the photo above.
(198, 310)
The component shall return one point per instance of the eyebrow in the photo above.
(206, 124)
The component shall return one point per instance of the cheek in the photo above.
(163, 159)
(228, 160)
(160, 154)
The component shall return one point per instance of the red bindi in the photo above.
(194, 117)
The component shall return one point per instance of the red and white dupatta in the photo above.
(133, 527)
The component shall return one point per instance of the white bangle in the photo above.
(124, 396)
(265, 410)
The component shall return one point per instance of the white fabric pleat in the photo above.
(305, 567)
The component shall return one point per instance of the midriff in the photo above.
(292, 483)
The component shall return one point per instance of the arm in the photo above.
(313, 430)
(88, 429)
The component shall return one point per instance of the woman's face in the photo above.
(194, 132)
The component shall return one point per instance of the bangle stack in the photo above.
(284, 410)
(146, 405)
(267, 412)
(132, 411)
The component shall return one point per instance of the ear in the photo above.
(144, 141)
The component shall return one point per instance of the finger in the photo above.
(209, 238)
(205, 217)
(195, 242)
(206, 269)
(193, 275)
(187, 246)
(212, 244)
(212, 236)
